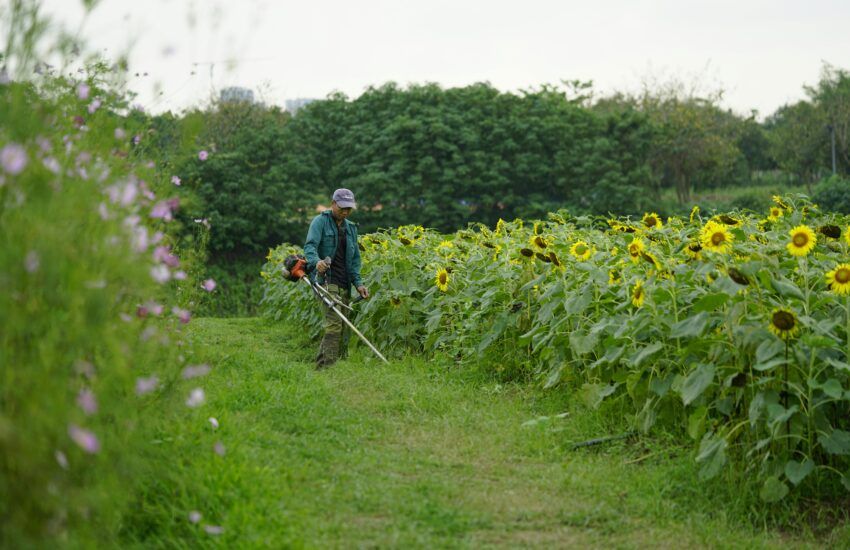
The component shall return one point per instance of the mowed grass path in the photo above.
(413, 454)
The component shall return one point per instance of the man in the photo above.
(332, 236)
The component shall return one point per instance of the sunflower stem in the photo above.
(847, 331)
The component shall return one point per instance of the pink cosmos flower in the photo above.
(147, 334)
(140, 239)
(125, 317)
(61, 459)
(32, 262)
(86, 401)
(162, 210)
(120, 133)
(194, 516)
(213, 529)
(84, 368)
(146, 385)
(180, 275)
(209, 285)
(175, 180)
(196, 398)
(84, 438)
(43, 144)
(52, 164)
(160, 273)
(203, 155)
(194, 371)
(219, 448)
(14, 159)
(213, 423)
(154, 308)
(182, 314)
(83, 90)
(137, 139)
(94, 106)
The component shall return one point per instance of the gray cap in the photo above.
(344, 198)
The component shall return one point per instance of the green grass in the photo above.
(414, 454)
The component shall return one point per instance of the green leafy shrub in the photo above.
(833, 194)
(91, 345)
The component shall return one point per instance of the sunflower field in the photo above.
(732, 328)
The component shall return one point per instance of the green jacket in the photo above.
(321, 243)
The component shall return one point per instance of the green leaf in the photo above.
(756, 406)
(832, 388)
(769, 349)
(773, 490)
(712, 455)
(594, 394)
(836, 443)
(690, 327)
(582, 344)
(845, 480)
(696, 383)
(769, 364)
(645, 353)
(797, 472)
(787, 289)
(710, 302)
(696, 422)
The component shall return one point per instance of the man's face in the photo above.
(338, 212)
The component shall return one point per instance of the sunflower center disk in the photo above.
(842, 276)
(717, 238)
(800, 240)
(783, 320)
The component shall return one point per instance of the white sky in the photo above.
(761, 52)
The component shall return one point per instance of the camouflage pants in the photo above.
(335, 340)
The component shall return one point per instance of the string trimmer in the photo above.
(294, 269)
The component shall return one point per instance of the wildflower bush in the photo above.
(733, 329)
(93, 298)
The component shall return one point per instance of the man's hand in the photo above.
(363, 291)
(321, 266)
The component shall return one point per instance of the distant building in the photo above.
(236, 93)
(292, 105)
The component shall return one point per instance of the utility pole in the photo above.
(832, 137)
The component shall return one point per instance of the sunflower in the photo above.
(694, 213)
(783, 323)
(838, 280)
(526, 252)
(635, 248)
(614, 277)
(728, 220)
(716, 237)
(802, 242)
(615, 251)
(693, 250)
(442, 279)
(650, 258)
(775, 213)
(638, 294)
(445, 248)
(652, 221)
(538, 228)
(405, 241)
(831, 231)
(500, 227)
(539, 241)
(778, 201)
(738, 276)
(580, 250)
(554, 258)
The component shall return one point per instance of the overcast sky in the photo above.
(761, 52)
